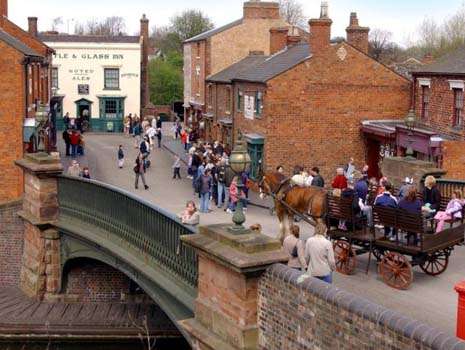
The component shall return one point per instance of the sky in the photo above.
(401, 17)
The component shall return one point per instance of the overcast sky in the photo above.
(401, 17)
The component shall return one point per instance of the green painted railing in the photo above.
(151, 230)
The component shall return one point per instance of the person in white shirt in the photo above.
(294, 247)
(320, 255)
(151, 132)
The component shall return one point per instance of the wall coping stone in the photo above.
(11, 204)
(362, 307)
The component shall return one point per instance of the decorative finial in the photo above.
(324, 9)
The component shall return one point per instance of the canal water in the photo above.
(161, 344)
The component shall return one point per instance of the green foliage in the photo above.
(166, 79)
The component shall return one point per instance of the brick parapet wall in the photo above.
(11, 243)
(325, 317)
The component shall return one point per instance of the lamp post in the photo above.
(410, 121)
(41, 117)
(239, 162)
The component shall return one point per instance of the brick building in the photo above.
(439, 134)
(25, 84)
(304, 103)
(210, 52)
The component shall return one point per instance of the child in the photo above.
(120, 157)
(453, 211)
(177, 167)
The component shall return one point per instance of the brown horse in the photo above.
(310, 201)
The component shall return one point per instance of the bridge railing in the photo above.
(151, 230)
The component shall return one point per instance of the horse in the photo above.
(311, 201)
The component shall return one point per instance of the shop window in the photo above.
(258, 103)
(111, 78)
(424, 102)
(458, 108)
(111, 108)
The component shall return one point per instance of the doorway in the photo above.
(83, 109)
(373, 157)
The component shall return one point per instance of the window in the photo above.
(228, 100)
(458, 108)
(424, 101)
(111, 78)
(210, 95)
(111, 108)
(258, 103)
(239, 100)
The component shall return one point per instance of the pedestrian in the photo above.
(294, 247)
(320, 255)
(81, 145)
(318, 180)
(184, 139)
(67, 140)
(177, 167)
(221, 180)
(137, 131)
(151, 132)
(139, 170)
(453, 211)
(85, 173)
(411, 204)
(126, 124)
(120, 157)
(158, 134)
(405, 187)
(74, 140)
(144, 147)
(431, 196)
(190, 215)
(66, 120)
(74, 169)
(235, 196)
(205, 183)
(158, 123)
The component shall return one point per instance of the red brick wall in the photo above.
(23, 36)
(11, 243)
(454, 159)
(261, 10)
(441, 105)
(12, 109)
(313, 112)
(198, 59)
(93, 281)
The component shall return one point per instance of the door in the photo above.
(256, 157)
(373, 157)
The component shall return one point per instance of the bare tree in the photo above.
(292, 12)
(56, 23)
(379, 41)
(110, 26)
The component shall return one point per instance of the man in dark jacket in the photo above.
(318, 180)
(67, 140)
(386, 199)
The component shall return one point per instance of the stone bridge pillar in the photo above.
(40, 270)
(227, 302)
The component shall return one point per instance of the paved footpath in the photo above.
(430, 299)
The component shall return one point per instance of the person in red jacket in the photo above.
(74, 140)
(340, 181)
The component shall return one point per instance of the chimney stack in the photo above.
(357, 36)
(278, 39)
(293, 36)
(144, 33)
(32, 26)
(3, 8)
(320, 30)
(255, 9)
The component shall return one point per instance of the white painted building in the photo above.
(96, 77)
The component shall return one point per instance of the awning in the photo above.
(255, 139)
(225, 121)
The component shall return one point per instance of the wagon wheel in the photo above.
(435, 263)
(345, 257)
(395, 270)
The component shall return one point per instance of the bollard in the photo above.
(460, 288)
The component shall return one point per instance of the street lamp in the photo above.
(410, 121)
(41, 117)
(239, 161)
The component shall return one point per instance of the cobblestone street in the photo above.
(419, 302)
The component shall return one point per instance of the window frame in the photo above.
(457, 121)
(258, 108)
(425, 97)
(54, 75)
(240, 96)
(105, 78)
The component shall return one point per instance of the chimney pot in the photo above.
(32, 26)
(4, 8)
(353, 19)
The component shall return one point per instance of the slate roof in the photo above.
(452, 63)
(120, 39)
(276, 64)
(214, 31)
(228, 74)
(17, 44)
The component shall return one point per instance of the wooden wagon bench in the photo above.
(356, 240)
(431, 254)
